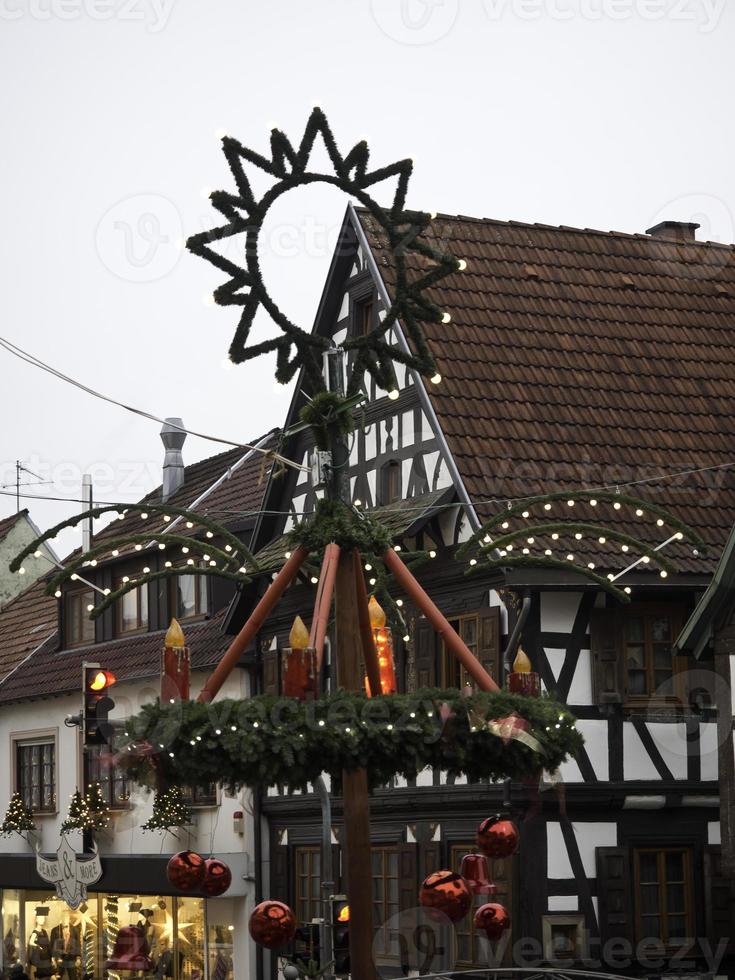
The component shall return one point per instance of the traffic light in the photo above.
(340, 935)
(97, 704)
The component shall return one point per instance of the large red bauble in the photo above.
(272, 924)
(447, 893)
(497, 837)
(217, 877)
(493, 920)
(186, 871)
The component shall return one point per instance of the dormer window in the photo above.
(78, 627)
(132, 608)
(365, 318)
(188, 596)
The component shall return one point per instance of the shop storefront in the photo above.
(116, 935)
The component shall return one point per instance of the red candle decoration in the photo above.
(446, 893)
(493, 920)
(384, 646)
(175, 665)
(523, 680)
(272, 924)
(498, 837)
(299, 664)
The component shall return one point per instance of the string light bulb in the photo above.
(436, 378)
(393, 394)
(446, 317)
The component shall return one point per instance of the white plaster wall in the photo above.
(17, 538)
(636, 761)
(558, 610)
(213, 830)
(563, 903)
(714, 832)
(671, 741)
(589, 836)
(595, 742)
(708, 749)
(580, 691)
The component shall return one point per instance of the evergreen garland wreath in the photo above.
(288, 166)
(269, 741)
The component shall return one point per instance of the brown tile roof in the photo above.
(50, 672)
(26, 622)
(234, 482)
(579, 358)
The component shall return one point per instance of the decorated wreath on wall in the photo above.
(268, 740)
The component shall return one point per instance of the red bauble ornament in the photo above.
(217, 877)
(493, 920)
(272, 924)
(497, 837)
(186, 871)
(448, 893)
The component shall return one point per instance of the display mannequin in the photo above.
(39, 950)
(66, 948)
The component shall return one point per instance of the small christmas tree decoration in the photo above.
(88, 812)
(18, 819)
(169, 811)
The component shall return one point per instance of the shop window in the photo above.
(100, 767)
(35, 772)
(307, 892)
(131, 609)
(468, 951)
(390, 482)
(385, 897)
(197, 796)
(663, 895)
(78, 627)
(188, 596)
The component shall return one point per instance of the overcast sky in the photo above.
(609, 114)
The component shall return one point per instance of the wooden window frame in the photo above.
(200, 585)
(70, 596)
(19, 740)
(143, 625)
(661, 852)
(648, 612)
(570, 919)
(448, 660)
(379, 927)
(198, 800)
(306, 903)
(390, 471)
(85, 754)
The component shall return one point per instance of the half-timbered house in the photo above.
(570, 359)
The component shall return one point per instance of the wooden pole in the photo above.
(369, 652)
(323, 602)
(453, 643)
(358, 858)
(257, 617)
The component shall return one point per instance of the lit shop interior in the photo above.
(116, 936)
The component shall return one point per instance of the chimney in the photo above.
(674, 231)
(172, 438)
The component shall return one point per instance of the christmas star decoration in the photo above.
(289, 167)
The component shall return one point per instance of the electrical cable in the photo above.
(34, 361)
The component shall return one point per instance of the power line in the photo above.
(34, 361)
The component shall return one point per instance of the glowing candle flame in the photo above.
(377, 616)
(298, 638)
(175, 635)
(521, 664)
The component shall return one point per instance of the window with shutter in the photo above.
(425, 655)
(664, 895)
(614, 893)
(279, 874)
(272, 672)
(606, 656)
(481, 634)
(719, 901)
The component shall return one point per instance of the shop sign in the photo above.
(69, 873)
